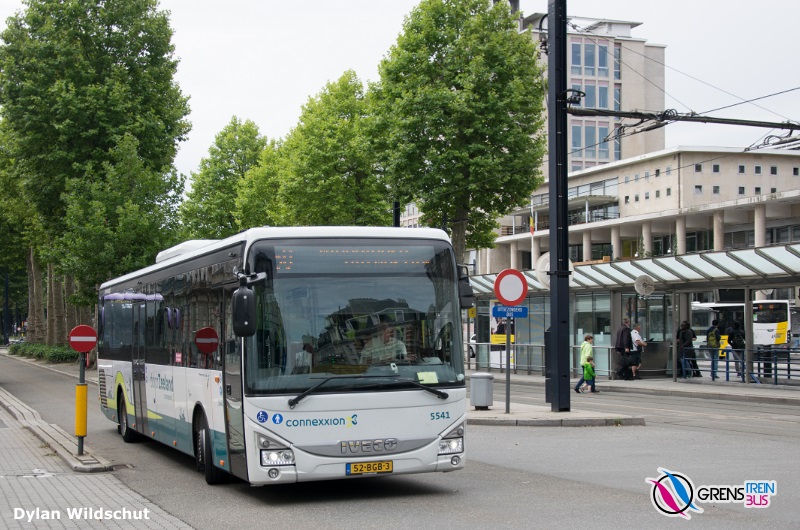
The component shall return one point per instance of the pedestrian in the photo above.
(713, 336)
(586, 352)
(736, 341)
(623, 343)
(589, 376)
(638, 349)
(685, 341)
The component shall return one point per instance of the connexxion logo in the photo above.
(277, 419)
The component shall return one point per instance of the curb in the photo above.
(566, 422)
(54, 436)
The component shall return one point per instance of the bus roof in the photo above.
(190, 249)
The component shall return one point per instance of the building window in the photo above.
(627, 179)
(602, 97)
(741, 169)
(715, 190)
(577, 133)
(627, 199)
(715, 168)
(647, 195)
(636, 198)
(658, 194)
(669, 192)
(647, 175)
(758, 190)
(617, 97)
(669, 170)
(576, 58)
(602, 149)
(796, 171)
(589, 99)
(773, 190)
(741, 190)
(757, 170)
(591, 140)
(602, 61)
(658, 172)
(773, 170)
(588, 56)
(636, 177)
(698, 189)
(617, 60)
(698, 168)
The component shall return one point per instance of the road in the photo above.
(516, 477)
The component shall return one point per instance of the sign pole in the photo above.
(508, 365)
(82, 339)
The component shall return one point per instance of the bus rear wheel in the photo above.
(128, 435)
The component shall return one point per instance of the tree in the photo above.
(210, 210)
(81, 81)
(459, 110)
(257, 192)
(327, 175)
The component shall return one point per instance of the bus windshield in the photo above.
(367, 311)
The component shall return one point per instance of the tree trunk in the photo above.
(37, 326)
(59, 310)
(51, 327)
(458, 235)
(73, 318)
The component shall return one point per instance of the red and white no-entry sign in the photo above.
(82, 338)
(206, 340)
(510, 287)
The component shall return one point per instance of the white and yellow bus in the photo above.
(257, 354)
(776, 323)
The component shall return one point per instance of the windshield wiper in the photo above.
(438, 393)
(295, 400)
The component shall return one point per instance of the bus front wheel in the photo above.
(203, 453)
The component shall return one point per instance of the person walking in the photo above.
(713, 336)
(638, 349)
(736, 341)
(685, 340)
(623, 343)
(589, 376)
(586, 352)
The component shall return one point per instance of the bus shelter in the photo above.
(602, 293)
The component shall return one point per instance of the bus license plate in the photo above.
(365, 468)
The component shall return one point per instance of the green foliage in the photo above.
(210, 210)
(83, 83)
(257, 192)
(326, 169)
(53, 354)
(460, 116)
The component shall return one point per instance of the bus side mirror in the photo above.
(244, 312)
(465, 293)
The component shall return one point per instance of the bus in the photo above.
(776, 323)
(285, 355)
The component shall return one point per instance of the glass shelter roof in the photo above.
(760, 267)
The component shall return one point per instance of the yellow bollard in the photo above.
(81, 392)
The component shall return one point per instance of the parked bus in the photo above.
(776, 323)
(292, 354)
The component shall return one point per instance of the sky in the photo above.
(263, 59)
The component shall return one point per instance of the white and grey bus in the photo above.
(292, 354)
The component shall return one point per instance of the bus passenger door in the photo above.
(139, 368)
(233, 395)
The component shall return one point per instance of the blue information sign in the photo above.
(517, 311)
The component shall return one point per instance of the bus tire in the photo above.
(204, 453)
(128, 434)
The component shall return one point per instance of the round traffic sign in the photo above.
(510, 287)
(206, 340)
(82, 338)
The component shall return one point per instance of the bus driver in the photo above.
(384, 347)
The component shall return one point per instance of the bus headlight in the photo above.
(451, 445)
(277, 458)
(273, 453)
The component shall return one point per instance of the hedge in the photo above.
(53, 354)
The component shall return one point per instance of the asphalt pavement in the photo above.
(29, 444)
